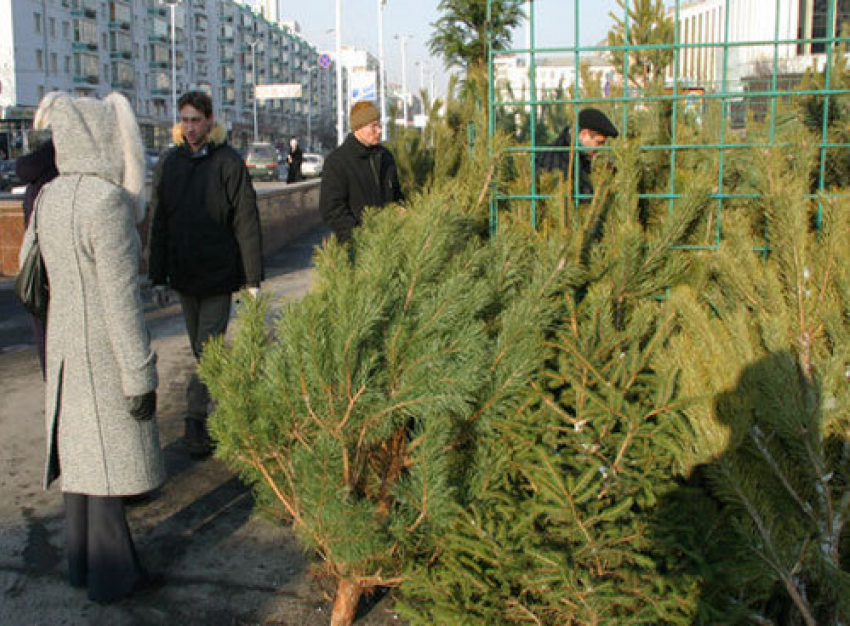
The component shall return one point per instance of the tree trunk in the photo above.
(345, 604)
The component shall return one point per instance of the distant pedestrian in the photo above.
(594, 130)
(100, 402)
(293, 161)
(36, 169)
(205, 238)
(358, 174)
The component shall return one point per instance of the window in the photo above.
(54, 62)
(66, 30)
(39, 59)
(67, 64)
(52, 26)
(36, 20)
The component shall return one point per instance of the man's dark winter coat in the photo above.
(355, 177)
(560, 162)
(205, 234)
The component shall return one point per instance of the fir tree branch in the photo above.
(251, 458)
(660, 335)
(568, 499)
(352, 402)
(491, 170)
(805, 507)
(797, 596)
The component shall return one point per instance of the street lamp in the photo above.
(253, 43)
(172, 6)
(421, 65)
(339, 118)
(382, 71)
(310, 106)
(404, 39)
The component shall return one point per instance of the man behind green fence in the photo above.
(594, 130)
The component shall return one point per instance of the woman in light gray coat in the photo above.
(102, 437)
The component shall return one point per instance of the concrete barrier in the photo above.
(286, 211)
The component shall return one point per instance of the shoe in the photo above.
(197, 438)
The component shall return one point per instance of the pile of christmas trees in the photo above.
(587, 423)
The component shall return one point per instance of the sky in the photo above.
(554, 27)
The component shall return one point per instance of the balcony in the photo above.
(160, 91)
(88, 79)
(123, 84)
(84, 46)
(84, 8)
(121, 54)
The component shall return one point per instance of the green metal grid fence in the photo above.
(728, 95)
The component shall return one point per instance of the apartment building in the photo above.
(92, 47)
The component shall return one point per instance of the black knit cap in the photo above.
(594, 119)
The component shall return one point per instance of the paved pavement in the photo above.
(223, 565)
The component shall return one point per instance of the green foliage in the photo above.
(563, 529)
(462, 31)
(439, 151)
(834, 110)
(644, 23)
(764, 348)
(359, 415)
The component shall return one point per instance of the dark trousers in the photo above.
(206, 317)
(101, 553)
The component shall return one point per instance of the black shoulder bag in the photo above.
(31, 285)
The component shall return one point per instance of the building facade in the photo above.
(222, 47)
(553, 75)
(750, 29)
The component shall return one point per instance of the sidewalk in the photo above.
(223, 566)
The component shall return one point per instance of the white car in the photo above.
(311, 165)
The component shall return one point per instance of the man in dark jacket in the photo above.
(205, 238)
(358, 174)
(594, 130)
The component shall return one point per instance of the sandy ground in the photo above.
(223, 565)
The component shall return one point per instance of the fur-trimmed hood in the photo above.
(99, 138)
(217, 136)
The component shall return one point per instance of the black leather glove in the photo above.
(143, 407)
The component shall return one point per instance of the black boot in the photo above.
(198, 440)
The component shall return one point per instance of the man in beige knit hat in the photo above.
(358, 174)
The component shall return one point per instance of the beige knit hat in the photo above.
(362, 114)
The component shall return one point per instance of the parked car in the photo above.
(312, 165)
(8, 177)
(262, 161)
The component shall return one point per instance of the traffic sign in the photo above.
(325, 61)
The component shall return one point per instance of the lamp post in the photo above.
(253, 43)
(310, 107)
(172, 6)
(339, 117)
(404, 39)
(421, 65)
(382, 72)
